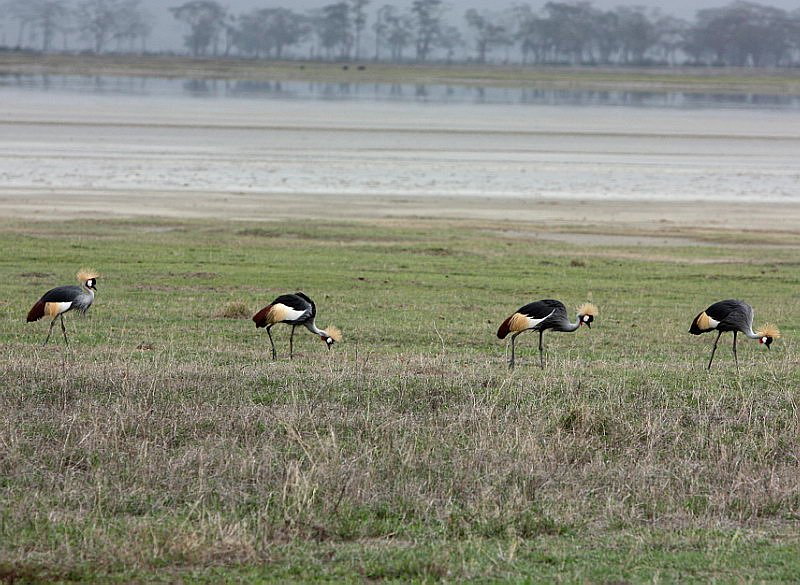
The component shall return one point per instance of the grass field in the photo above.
(686, 79)
(165, 445)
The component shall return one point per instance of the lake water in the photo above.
(121, 139)
(419, 93)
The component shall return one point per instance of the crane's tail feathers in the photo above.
(588, 309)
(516, 322)
(260, 318)
(701, 324)
(85, 274)
(36, 312)
(334, 333)
(769, 330)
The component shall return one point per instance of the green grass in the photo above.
(164, 444)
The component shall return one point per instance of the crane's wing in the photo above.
(531, 316)
(62, 294)
(309, 301)
(540, 310)
(54, 302)
(285, 309)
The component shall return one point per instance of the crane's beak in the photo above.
(589, 325)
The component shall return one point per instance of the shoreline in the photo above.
(553, 215)
(677, 79)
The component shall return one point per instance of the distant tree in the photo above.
(450, 39)
(269, 31)
(96, 21)
(400, 34)
(606, 35)
(743, 33)
(380, 27)
(205, 19)
(530, 33)
(333, 28)
(636, 32)
(50, 16)
(671, 36)
(488, 31)
(359, 22)
(23, 14)
(428, 17)
(131, 23)
(568, 27)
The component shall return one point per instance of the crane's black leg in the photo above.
(513, 349)
(735, 357)
(49, 331)
(272, 343)
(713, 350)
(64, 329)
(541, 349)
(291, 341)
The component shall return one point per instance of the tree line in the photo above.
(740, 33)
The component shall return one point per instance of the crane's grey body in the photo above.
(62, 299)
(539, 316)
(728, 315)
(292, 309)
(80, 298)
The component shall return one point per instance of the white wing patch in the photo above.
(534, 322)
(55, 309)
(281, 312)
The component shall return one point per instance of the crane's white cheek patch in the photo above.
(53, 309)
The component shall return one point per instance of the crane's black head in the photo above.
(767, 334)
(330, 336)
(88, 278)
(586, 314)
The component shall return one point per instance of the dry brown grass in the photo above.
(145, 462)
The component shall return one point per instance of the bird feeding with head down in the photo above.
(55, 302)
(294, 309)
(540, 316)
(732, 315)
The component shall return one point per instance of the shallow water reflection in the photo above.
(421, 93)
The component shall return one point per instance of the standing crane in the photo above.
(294, 309)
(55, 302)
(736, 316)
(542, 315)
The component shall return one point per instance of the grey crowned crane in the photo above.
(294, 309)
(540, 316)
(736, 316)
(55, 302)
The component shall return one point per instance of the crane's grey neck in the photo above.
(750, 333)
(311, 326)
(567, 327)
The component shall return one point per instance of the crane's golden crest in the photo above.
(334, 333)
(518, 322)
(85, 274)
(769, 330)
(588, 309)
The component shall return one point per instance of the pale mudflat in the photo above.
(68, 155)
